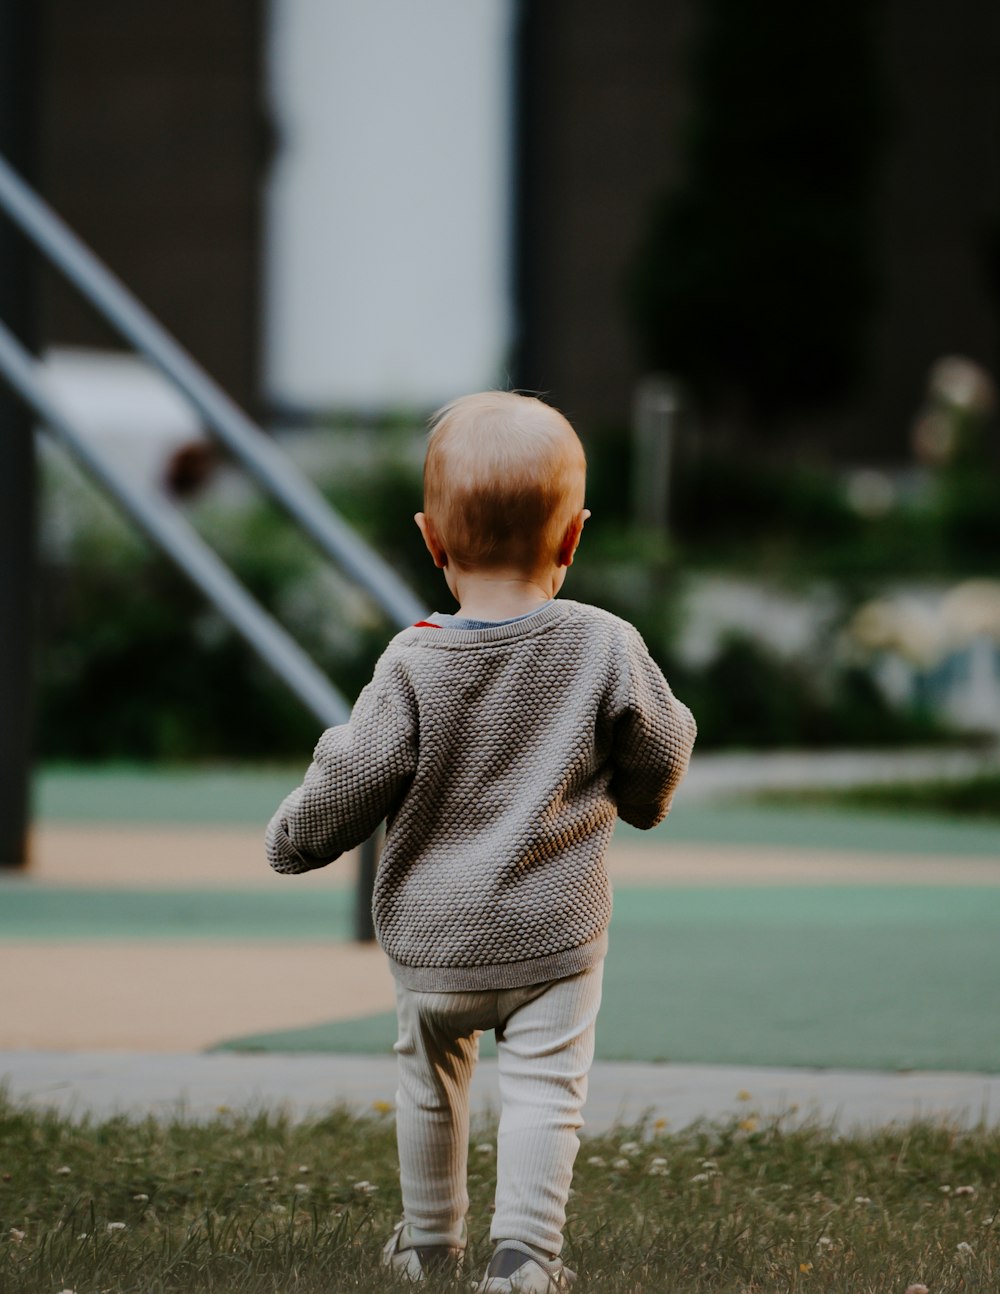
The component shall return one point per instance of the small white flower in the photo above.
(621, 1163)
(964, 1248)
(702, 1177)
(658, 1168)
(709, 1163)
(67, 1292)
(862, 1199)
(824, 1242)
(945, 1190)
(485, 1148)
(64, 1171)
(301, 1188)
(988, 1222)
(596, 1160)
(141, 1198)
(365, 1188)
(965, 1190)
(116, 1226)
(16, 1236)
(83, 1236)
(304, 1168)
(630, 1147)
(917, 1289)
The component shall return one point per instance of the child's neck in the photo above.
(502, 595)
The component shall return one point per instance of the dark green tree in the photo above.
(756, 276)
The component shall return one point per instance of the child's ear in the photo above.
(571, 538)
(434, 546)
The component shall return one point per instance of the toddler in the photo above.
(500, 744)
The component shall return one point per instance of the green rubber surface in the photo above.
(863, 977)
(859, 977)
(126, 793)
(240, 796)
(65, 914)
(808, 828)
(868, 978)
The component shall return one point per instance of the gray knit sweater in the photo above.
(500, 758)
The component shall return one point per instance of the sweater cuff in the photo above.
(282, 854)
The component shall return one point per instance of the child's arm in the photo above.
(653, 737)
(359, 771)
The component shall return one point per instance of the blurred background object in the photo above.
(349, 213)
(18, 487)
(123, 402)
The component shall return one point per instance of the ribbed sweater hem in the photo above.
(503, 975)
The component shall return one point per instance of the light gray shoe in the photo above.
(412, 1261)
(516, 1269)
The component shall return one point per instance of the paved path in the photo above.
(728, 773)
(198, 1086)
(229, 794)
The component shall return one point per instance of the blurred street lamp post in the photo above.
(654, 417)
(17, 455)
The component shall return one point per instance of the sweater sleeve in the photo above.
(653, 737)
(359, 772)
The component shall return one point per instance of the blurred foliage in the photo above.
(749, 696)
(132, 663)
(745, 512)
(755, 278)
(968, 797)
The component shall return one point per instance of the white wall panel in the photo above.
(389, 208)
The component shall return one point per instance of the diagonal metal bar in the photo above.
(181, 542)
(256, 451)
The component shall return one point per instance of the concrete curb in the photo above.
(196, 1086)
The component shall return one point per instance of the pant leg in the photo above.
(545, 1048)
(437, 1050)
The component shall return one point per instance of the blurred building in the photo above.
(346, 205)
(152, 143)
(314, 196)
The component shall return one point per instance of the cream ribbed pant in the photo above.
(545, 1047)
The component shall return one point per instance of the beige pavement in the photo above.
(140, 857)
(221, 857)
(164, 997)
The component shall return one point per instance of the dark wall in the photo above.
(606, 97)
(602, 102)
(151, 147)
(939, 231)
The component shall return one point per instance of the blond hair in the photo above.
(503, 478)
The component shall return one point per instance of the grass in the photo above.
(970, 797)
(259, 1204)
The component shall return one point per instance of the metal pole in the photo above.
(654, 415)
(258, 453)
(167, 528)
(364, 924)
(18, 27)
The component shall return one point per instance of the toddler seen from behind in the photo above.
(500, 744)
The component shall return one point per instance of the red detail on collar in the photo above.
(426, 624)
